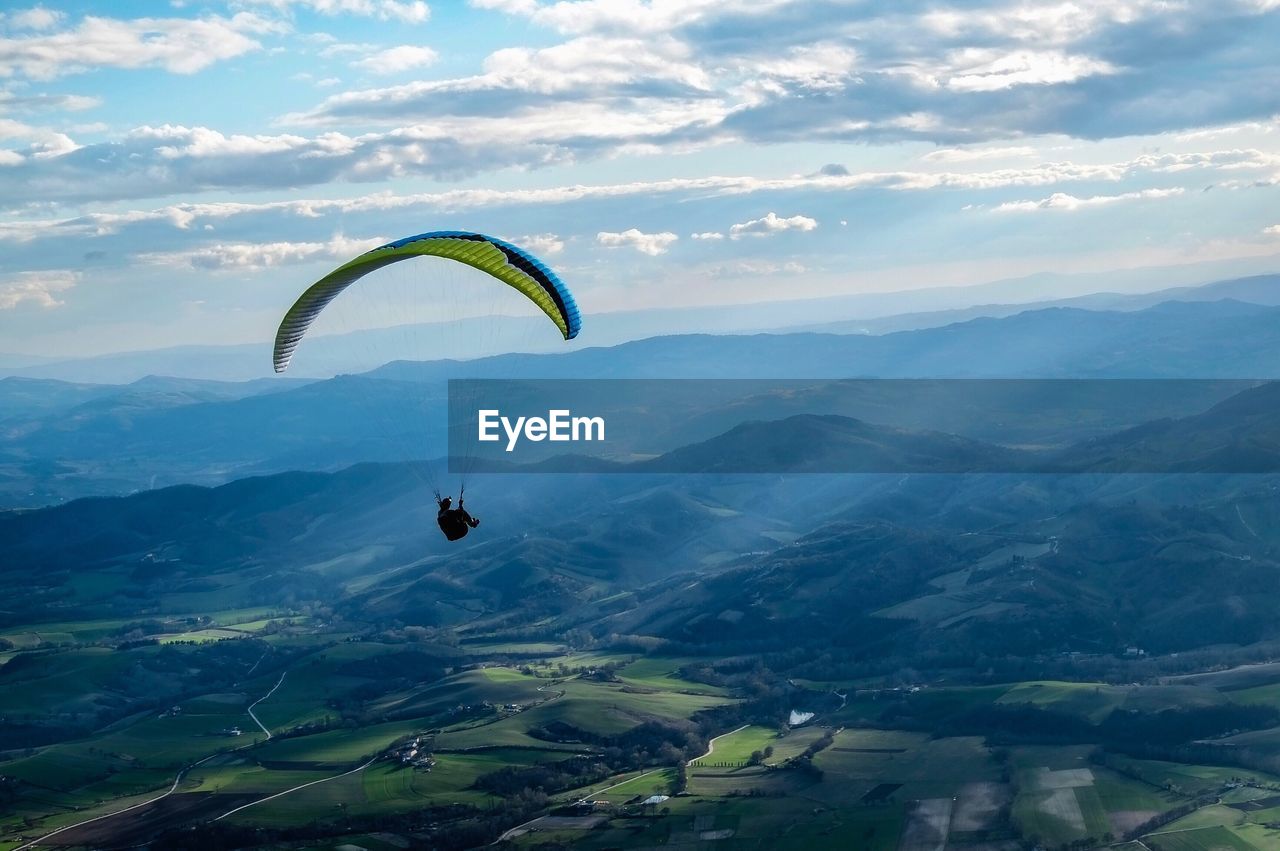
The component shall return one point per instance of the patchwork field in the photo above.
(866, 788)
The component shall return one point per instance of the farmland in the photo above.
(364, 730)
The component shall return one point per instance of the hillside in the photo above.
(140, 438)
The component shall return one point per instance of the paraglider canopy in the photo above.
(508, 263)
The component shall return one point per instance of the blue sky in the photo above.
(175, 172)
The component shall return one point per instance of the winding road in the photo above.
(711, 745)
(176, 781)
(521, 828)
(183, 773)
(294, 789)
(264, 697)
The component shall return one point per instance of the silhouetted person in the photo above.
(454, 522)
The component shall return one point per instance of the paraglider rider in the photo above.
(454, 522)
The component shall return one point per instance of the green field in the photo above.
(384, 787)
(596, 708)
(1200, 839)
(873, 788)
(925, 768)
(495, 685)
(337, 748)
(660, 672)
(1091, 701)
(1192, 779)
(737, 747)
(644, 783)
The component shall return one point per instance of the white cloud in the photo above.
(652, 244)
(35, 18)
(542, 243)
(1041, 23)
(39, 288)
(333, 49)
(394, 60)
(708, 235)
(814, 67)
(989, 71)
(639, 83)
(1259, 127)
(1063, 201)
(261, 255)
(961, 155)
(180, 45)
(407, 11)
(626, 16)
(11, 101)
(94, 224)
(42, 141)
(1274, 230)
(756, 268)
(149, 174)
(772, 223)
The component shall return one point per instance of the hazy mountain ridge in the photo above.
(1258, 289)
(114, 448)
(556, 543)
(876, 313)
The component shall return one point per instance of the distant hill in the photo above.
(890, 566)
(814, 443)
(1238, 435)
(80, 441)
(862, 313)
(1095, 579)
(1259, 289)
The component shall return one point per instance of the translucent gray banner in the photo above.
(864, 426)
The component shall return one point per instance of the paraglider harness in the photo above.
(454, 522)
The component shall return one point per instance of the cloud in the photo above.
(47, 102)
(652, 244)
(757, 268)
(43, 142)
(629, 17)
(155, 161)
(1261, 127)
(262, 255)
(394, 60)
(38, 288)
(961, 155)
(994, 70)
(147, 172)
(179, 45)
(708, 235)
(1063, 201)
(1077, 69)
(1274, 230)
(616, 76)
(406, 11)
(632, 78)
(542, 243)
(806, 67)
(35, 18)
(94, 224)
(771, 224)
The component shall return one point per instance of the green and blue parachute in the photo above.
(508, 263)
